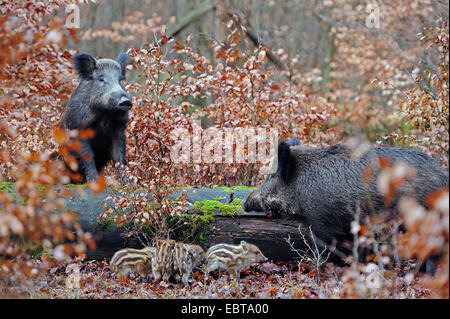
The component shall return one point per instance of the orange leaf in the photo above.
(60, 136)
(368, 173)
(97, 186)
(273, 291)
(433, 198)
(86, 134)
(384, 162)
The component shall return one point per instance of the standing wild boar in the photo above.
(186, 258)
(322, 186)
(164, 258)
(100, 104)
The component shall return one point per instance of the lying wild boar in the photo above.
(322, 186)
(99, 103)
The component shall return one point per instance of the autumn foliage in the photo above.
(35, 81)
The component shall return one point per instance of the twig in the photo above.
(316, 256)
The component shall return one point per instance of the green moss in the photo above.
(206, 206)
(7, 186)
(243, 188)
(108, 222)
(195, 228)
(237, 201)
(37, 251)
(229, 190)
(77, 185)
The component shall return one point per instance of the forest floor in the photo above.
(95, 279)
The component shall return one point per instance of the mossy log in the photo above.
(268, 234)
(229, 225)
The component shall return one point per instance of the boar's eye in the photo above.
(101, 80)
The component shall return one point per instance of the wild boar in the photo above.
(186, 257)
(322, 186)
(253, 202)
(163, 263)
(101, 105)
(199, 254)
(128, 260)
(233, 258)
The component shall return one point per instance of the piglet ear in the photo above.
(84, 64)
(122, 58)
(244, 247)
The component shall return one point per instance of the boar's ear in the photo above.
(122, 58)
(84, 64)
(284, 154)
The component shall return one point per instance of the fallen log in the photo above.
(230, 224)
(268, 234)
(254, 227)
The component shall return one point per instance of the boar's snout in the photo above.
(125, 102)
(253, 202)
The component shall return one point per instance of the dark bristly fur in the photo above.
(253, 202)
(322, 185)
(99, 103)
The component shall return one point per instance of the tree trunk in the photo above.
(268, 234)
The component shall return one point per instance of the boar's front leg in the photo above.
(87, 161)
(118, 156)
